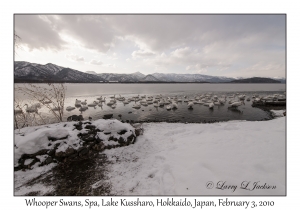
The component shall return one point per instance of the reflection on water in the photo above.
(199, 113)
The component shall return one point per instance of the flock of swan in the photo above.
(210, 100)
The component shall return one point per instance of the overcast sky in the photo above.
(219, 45)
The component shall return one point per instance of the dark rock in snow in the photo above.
(48, 160)
(91, 127)
(75, 118)
(122, 132)
(107, 116)
(50, 138)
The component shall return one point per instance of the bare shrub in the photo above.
(50, 95)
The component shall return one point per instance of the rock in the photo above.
(138, 131)
(41, 152)
(107, 133)
(90, 137)
(129, 112)
(66, 153)
(284, 113)
(122, 132)
(91, 127)
(78, 126)
(108, 147)
(75, 118)
(51, 152)
(107, 116)
(130, 139)
(119, 115)
(90, 118)
(50, 138)
(99, 147)
(17, 168)
(121, 141)
(48, 160)
(69, 151)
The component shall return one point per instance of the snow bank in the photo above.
(180, 159)
(33, 139)
(40, 148)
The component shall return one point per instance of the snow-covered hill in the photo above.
(25, 71)
(149, 78)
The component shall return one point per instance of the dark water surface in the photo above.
(199, 113)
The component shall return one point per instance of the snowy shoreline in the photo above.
(190, 159)
(180, 159)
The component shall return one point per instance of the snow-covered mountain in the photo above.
(190, 78)
(91, 72)
(119, 77)
(26, 72)
(32, 72)
(150, 78)
(138, 75)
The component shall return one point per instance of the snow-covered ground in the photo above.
(174, 158)
(187, 159)
(30, 140)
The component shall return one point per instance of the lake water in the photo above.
(199, 113)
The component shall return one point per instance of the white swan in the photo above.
(32, 108)
(102, 99)
(56, 108)
(217, 103)
(92, 104)
(190, 104)
(18, 111)
(174, 105)
(237, 104)
(70, 108)
(111, 102)
(83, 103)
(77, 103)
(168, 107)
(83, 108)
(136, 106)
(211, 105)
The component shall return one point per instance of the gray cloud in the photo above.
(95, 62)
(76, 58)
(229, 43)
(141, 53)
(37, 33)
